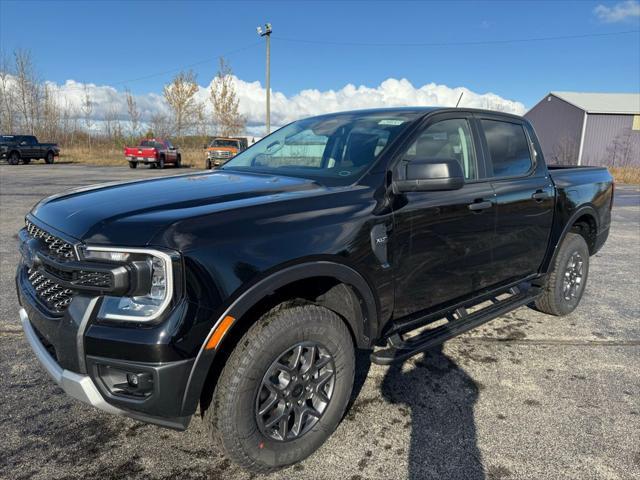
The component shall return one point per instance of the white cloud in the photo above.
(390, 93)
(620, 12)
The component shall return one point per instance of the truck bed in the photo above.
(582, 189)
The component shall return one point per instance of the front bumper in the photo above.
(80, 387)
(89, 389)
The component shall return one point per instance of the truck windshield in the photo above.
(224, 143)
(333, 149)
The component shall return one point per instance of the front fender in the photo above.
(364, 330)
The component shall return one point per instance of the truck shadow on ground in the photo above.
(437, 398)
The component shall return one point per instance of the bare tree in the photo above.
(180, 95)
(202, 123)
(134, 113)
(111, 123)
(87, 110)
(622, 150)
(27, 90)
(159, 126)
(7, 96)
(225, 102)
(49, 121)
(565, 152)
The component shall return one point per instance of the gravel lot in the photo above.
(525, 396)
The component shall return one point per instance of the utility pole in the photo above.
(267, 33)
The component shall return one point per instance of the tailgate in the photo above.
(140, 152)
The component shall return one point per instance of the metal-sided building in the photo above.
(589, 128)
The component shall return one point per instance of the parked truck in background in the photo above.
(17, 148)
(222, 149)
(155, 152)
(244, 292)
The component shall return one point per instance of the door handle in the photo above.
(539, 195)
(479, 206)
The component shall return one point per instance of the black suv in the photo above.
(247, 290)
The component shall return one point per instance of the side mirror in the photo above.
(430, 174)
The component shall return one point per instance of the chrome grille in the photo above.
(55, 246)
(55, 297)
(222, 153)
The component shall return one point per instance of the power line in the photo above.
(166, 72)
(450, 44)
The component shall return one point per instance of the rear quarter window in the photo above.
(508, 148)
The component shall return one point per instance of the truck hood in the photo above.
(131, 213)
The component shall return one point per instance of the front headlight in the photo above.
(152, 289)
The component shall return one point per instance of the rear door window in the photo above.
(509, 154)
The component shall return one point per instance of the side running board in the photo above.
(399, 348)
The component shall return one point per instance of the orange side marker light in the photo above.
(219, 332)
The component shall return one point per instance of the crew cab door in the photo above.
(442, 241)
(170, 154)
(29, 147)
(524, 197)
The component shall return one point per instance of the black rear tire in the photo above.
(567, 278)
(208, 164)
(233, 417)
(133, 164)
(161, 163)
(49, 158)
(14, 158)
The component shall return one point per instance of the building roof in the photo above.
(616, 103)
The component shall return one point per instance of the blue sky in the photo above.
(115, 43)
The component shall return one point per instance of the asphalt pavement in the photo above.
(526, 396)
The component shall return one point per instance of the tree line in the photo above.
(31, 106)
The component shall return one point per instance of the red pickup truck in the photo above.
(154, 152)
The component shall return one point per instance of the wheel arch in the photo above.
(342, 290)
(583, 221)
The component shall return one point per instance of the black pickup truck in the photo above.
(15, 148)
(246, 291)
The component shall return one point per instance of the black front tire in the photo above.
(14, 158)
(567, 278)
(208, 164)
(232, 417)
(49, 158)
(133, 164)
(178, 161)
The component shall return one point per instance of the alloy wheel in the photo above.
(573, 275)
(295, 391)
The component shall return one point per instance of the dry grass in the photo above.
(110, 156)
(626, 174)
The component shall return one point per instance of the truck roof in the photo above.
(421, 110)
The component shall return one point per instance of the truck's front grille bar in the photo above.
(54, 296)
(56, 246)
